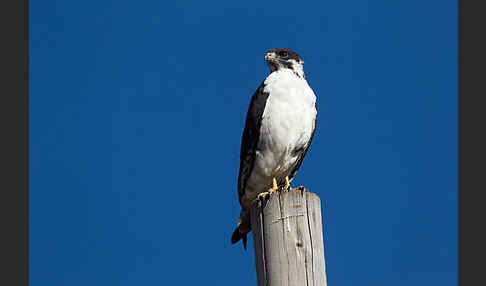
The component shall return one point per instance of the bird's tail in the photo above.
(237, 235)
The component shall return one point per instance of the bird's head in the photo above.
(283, 58)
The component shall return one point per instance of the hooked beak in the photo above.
(271, 56)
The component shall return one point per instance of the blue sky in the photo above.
(137, 110)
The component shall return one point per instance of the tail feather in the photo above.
(237, 235)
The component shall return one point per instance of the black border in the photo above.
(14, 120)
(471, 143)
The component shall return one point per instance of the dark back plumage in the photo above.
(250, 137)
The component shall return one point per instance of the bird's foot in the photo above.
(287, 184)
(274, 188)
(262, 196)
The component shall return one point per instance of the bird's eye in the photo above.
(283, 54)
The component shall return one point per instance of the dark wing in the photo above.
(250, 137)
(301, 152)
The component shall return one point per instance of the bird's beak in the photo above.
(270, 56)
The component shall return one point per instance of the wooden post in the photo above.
(288, 240)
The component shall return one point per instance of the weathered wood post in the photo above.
(288, 239)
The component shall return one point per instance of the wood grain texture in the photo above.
(288, 240)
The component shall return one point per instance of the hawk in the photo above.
(279, 128)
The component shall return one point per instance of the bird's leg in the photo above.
(274, 185)
(287, 183)
(274, 188)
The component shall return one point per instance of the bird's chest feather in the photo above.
(288, 121)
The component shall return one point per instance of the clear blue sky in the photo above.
(137, 111)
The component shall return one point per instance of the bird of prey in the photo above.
(279, 128)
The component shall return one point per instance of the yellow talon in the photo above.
(287, 183)
(274, 187)
(262, 195)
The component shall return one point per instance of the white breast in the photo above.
(288, 122)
